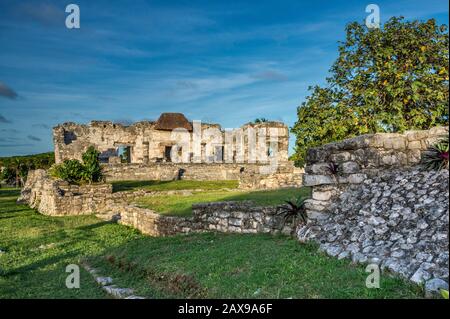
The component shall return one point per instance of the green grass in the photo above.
(172, 185)
(27, 271)
(198, 265)
(176, 205)
(213, 265)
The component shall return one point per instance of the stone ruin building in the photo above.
(142, 151)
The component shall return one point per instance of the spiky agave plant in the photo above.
(333, 168)
(436, 156)
(294, 209)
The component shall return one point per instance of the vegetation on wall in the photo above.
(14, 170)
(436, 156)
(384, 80)
(260, 120)
(74, 171)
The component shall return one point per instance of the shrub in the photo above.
(92, 171)
(70, 171)
(73, 171)
(436, 156)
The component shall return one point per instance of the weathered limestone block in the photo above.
(316, 205)
(350, 167)
(322, 195)
(313, 180)
(413, 145)
(396, 143)
(318, 169)
(341, 157)
(356, 178)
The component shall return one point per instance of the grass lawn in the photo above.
(36, 250)
(176, 205)
(213, 265)
(172, 185)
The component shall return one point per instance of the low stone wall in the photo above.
(380, 206)
(151, 223)
(250, 176)
(227, 217)
(58, 198)
(172, 171)
(242, 217)
(286, 175)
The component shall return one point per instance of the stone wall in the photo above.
(380, 205)
(360, 158)
(151, 223)
(227, 217)
(57, 198)
(173, 171)
(285, 175)
(250, 176)
(241, 217)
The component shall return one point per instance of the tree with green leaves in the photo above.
(20, 165)
(389, 79)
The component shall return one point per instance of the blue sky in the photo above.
(227, 62)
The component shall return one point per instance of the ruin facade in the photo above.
(153, 142)
(174, 147)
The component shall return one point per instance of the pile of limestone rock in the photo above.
(398, 219)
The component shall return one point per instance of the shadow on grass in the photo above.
(132, 185)
(9, 192)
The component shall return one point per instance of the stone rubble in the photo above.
(398, 219)
(107, 284)
(433, 287)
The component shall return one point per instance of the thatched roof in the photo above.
(170, 121)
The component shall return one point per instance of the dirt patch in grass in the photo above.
(176, 285)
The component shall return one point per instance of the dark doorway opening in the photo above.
(167, 152)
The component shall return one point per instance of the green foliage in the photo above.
(436, 156)
(73, 171)
(260, 120)
(294, 209)
(92, 172)
(444, 293)
(15, 168)
(385, 80)
(8, 175)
